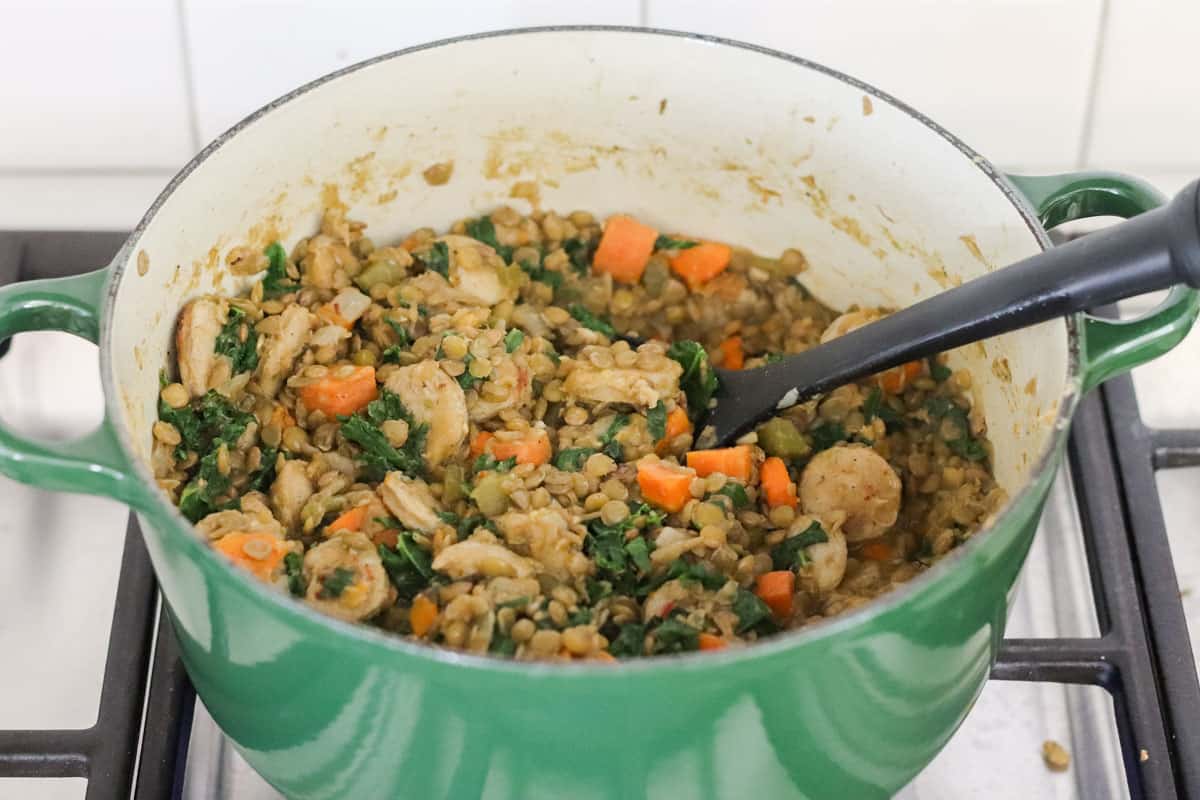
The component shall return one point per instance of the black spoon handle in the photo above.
(1153, 251)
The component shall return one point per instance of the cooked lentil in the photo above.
(453, 423)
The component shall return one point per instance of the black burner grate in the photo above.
(1142, 657)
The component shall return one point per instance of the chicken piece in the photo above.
(469, 558)
(410, 501)
(253, 517)
(826, 560)
(349, 304)
(346, 578)
(665, 598)
(544, 535)
(510, 388)
(851, 320)
(281, 349)
(474, 271)
(436, 399)
(328, 263)
(290, 491)
(196, 334)
(639, 387)
(672, 543)
(856, 480)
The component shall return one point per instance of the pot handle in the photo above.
(1111, 347)
(95, 464)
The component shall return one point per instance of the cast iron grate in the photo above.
(1143, 657)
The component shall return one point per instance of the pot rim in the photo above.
(165, 513)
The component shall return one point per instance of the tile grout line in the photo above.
(1093, 89)
(189, 85)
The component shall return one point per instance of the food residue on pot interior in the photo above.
(439, 174)
(868, 107)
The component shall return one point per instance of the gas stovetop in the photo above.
(95, 704)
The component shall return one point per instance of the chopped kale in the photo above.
(378, 455)
(826, 435)
(551, 278)
(465, 526)
(939, 371)
(667, 243)
(580, 252)
(608, 441)
(789, 554)
(752, 613)
(436, 259)
(466, 380)
(409, 566)
(264, 476)
(699, 381)
(403, 339)
(513, 339)
(675, 636)
(773, 358)
(656, 421)
(391, 355)
(239, 341)
(572, 459)
(199, 497)
(204, 426)
(581, 616)
(516, 602)
(943, 410)
(630, 642)
(597, 590)
(485, 231)
(736, 493)
(589, 320)
(275, 282)
(687, 572)
(502, 645)
(875, 406)
(639, 552)
(487, 462)
(293, 563)
(333, 584)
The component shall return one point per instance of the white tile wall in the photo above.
(1146, 115)
(1010, 77)
(102, 102)
(245, 54)
(92, 85)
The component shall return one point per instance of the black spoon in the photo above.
(1153, 251)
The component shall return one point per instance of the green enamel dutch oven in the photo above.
(692, 133)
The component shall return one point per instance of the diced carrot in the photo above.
(877, 551)
(733, 462)
(351, 520)
(424, 611)
(894, 380)
(329, 313)
(677, 425)
(625, 248)
(775, 589)
(700, 264)
(732, 355)
(710, 641)
(479, 443)
(777, 484)
(665, 485)
(533, 449)
(337, 396)
(410, 243)
(258, 553)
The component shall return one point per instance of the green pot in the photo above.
(887, 207)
